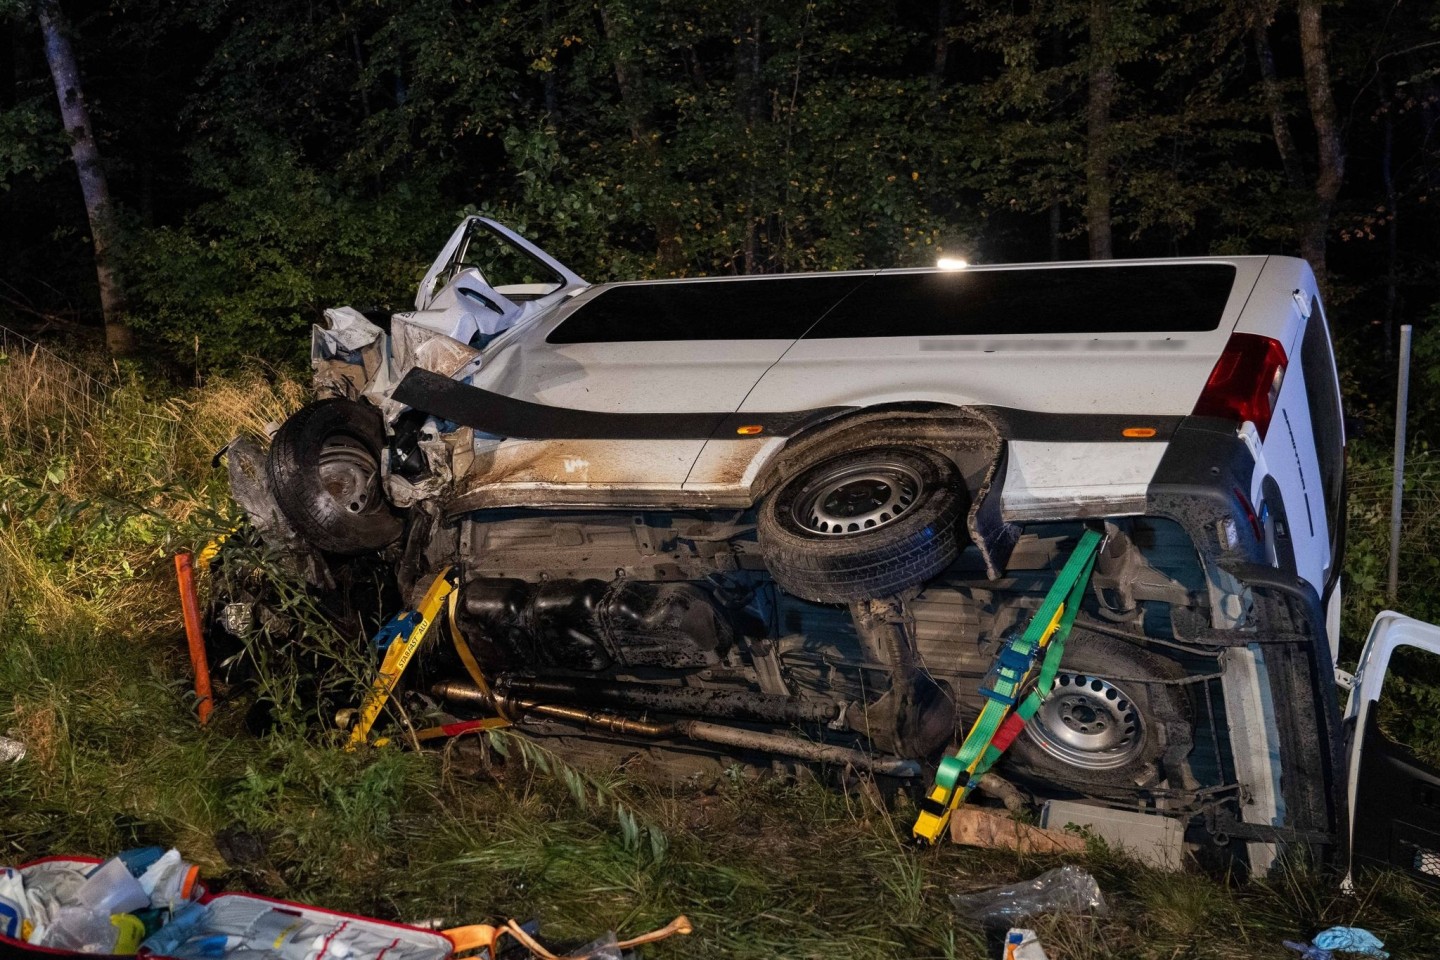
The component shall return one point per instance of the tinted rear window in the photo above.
(766, 308)
(1136, 299)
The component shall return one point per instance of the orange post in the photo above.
(190, 608)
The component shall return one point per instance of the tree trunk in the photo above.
(86, 155)
(359, 53)
(1270, 90)
(9, 229)
(1392, 226)
(745, 37)
(941, 61)
(1097, 122)
(550, 86)
(1330, 151)
(1055, 228)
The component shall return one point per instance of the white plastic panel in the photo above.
(1045, 480)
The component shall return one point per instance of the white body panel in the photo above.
(1151, 374)
(1160, 374)
(1289, 453)
(681, 376)
(1057, 481)
(1250, 711)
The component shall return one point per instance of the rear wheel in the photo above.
(1110, 719)
(865, 524)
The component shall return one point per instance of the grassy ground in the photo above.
(101, 481)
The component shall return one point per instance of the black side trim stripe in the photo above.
(504, 416)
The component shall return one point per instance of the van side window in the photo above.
(1323, 396)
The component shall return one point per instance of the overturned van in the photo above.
(798, 515)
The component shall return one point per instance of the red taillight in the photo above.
(1255, 522)
(1245, 383)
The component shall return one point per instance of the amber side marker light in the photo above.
(750, 430)
(1138, 433)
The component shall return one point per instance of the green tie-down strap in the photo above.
(998, 724)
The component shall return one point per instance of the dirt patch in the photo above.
(37, 725)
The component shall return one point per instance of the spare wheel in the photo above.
(1114, 713)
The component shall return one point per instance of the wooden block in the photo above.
(975, 827)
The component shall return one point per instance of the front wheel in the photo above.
(865, 524)
(324, 468)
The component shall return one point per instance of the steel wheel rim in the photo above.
(349, 473)
(1089, 723)
(857, 498)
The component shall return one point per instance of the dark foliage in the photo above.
(273, 158)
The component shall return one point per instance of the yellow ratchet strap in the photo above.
(212, 549)
(409, 631)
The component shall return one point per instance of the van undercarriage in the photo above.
(662, 633)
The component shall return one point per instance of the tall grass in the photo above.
(103, 475)
(102, 479)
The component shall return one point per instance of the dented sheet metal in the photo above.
(579, 473)
(729, 465)
(350, 356)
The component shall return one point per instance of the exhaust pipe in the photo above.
(688, 701)
(700, 731)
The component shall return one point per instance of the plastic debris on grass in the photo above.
(1067, 889)
(1021, 943)
(11, 750)
(1348, 940)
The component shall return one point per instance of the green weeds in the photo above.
(96, 494)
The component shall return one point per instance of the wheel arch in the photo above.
(970, 437)
(940, 424)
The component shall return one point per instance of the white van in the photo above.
(797, 515)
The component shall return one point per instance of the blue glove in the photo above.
(1351, 940)
(1308, 951)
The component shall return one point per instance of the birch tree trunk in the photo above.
(93, 188)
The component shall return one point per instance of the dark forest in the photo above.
(266, 160)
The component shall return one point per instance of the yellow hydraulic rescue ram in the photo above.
(405, 632)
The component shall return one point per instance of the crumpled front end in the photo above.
(356, 360)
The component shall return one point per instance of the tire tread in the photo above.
(295, 480)
(878, 563)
